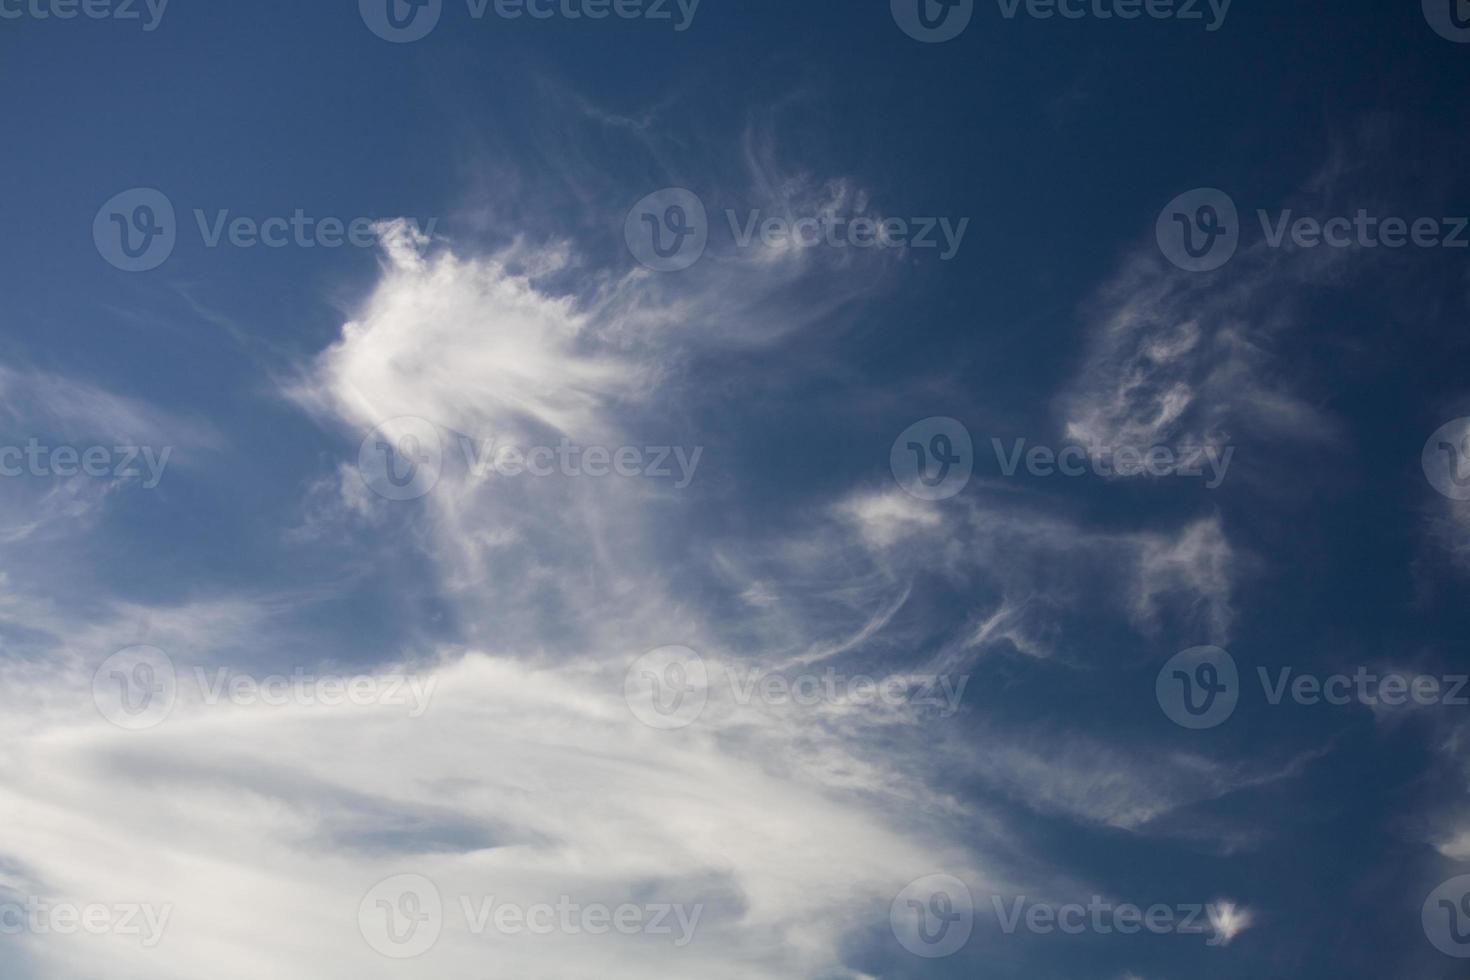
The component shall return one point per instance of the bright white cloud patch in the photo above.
(522, 784)
(789, 826)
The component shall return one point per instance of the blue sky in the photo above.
(853, 491)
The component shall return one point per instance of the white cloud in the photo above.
(554, 787)
(1176, 360)
(530, 778)
(886, 518)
